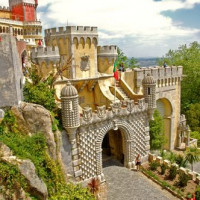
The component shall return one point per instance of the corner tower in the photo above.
(106, 58)
(149, 87)
(23, 10)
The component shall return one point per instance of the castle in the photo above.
(96, 120)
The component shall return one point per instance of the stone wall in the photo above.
(11, 76)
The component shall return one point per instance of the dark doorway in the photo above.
(113, 148)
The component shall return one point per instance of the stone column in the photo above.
(188, 135)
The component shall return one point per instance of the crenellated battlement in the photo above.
(71, 30)
(47, 54)
(163, 76)
(4, 8)
(107, 51)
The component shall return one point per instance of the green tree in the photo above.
(157, 138)
(193, 116)
(132, 63)
(122, 58)
(196, 135)
(192, 155)
(189, 58)
(39, 91)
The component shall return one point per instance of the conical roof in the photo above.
(148, 80)
(69, 90)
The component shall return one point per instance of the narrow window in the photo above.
(149, 91)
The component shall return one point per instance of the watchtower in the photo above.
(23, 10)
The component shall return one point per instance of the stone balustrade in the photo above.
(193, 175)
(123, 108)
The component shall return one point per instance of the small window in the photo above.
(149, 91)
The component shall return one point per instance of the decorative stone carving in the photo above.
(85, 63)
(101, 111)
(87, 114)
(130, 105)
(116, 107)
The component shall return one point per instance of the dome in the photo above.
(148, 80)
(69, 91)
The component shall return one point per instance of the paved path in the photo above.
(124, 184)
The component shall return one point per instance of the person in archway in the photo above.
(138, 162)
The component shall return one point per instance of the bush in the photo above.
(163, 168)
(171, 157)
(180, 161)
(183, 179)
(197, 193)
(172, 172)
(153, 165)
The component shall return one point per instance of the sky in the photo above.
(141, 28)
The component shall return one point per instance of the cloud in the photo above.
(137, 22)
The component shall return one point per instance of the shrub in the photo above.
(183, 179)
(163, 168)
(153, 165)
(198, 193)
(180, 161)
(172, 172)
(171, 157)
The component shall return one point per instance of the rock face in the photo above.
(37, 186)
(33, 118)
(27, 169)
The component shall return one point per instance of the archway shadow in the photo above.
(110, 161)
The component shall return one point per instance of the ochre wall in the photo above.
(80, 49)
(104, 66)
(5, 14)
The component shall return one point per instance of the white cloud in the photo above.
(117, 20)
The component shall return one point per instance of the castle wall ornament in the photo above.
(85, 63)
(101, 111)
(87, 114)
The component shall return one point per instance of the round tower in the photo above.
(149, 87)
(106, 58)
(70, 110)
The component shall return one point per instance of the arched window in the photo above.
(149, 91)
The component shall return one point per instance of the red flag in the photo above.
(39, 43)
(116, 76)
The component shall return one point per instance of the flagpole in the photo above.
(115, 91)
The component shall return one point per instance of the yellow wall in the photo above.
(86, 48)
(104, 66)
(5, 14)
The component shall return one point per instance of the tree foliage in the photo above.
(193, 116)
(192, 155)
(157, 138)
(189, 58)
(128, 63)
(39, 91)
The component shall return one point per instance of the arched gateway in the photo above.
(86, 132)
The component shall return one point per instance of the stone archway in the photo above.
(164, 106)
(128, 136)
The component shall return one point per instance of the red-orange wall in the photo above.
(17, 12)
(29, 13)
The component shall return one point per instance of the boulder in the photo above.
(33, 118)
(27, 169)
(37, 186)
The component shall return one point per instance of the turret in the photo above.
(23, 10)
(70, 112)
(106, 57)
(149, 87)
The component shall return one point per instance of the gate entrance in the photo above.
(113, 148)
